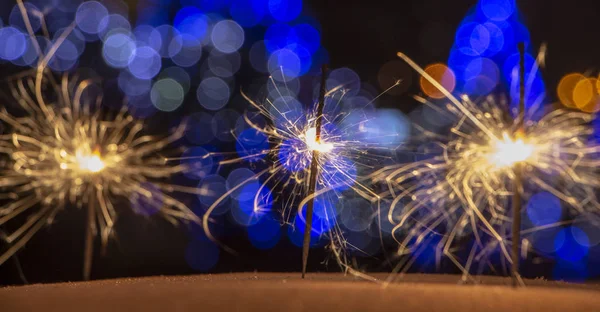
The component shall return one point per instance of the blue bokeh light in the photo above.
(91, 17)
(248, 13)
(213, 187)
(252, 145)
(543, 209)
(14, 43)
(145, 63)
(199, 161)
(568, 248)
(227, 36)
(497, 10)
(266, 233)
(118, 50)
(213, 93)
(191, 21)
(285, 10)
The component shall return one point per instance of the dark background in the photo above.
(361, 35)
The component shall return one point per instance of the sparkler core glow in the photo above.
(507, 151)
(310, 138)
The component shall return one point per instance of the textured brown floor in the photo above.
(287, 292)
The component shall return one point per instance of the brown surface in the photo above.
(287, 292)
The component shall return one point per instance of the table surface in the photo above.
(288, 292)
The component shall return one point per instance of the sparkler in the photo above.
(462, 190)
(344, 147)
(63, 149)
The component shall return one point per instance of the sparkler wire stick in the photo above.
(518, 181)
(89, 240)
(314, 171)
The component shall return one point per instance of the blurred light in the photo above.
(388, 127)
(585, 95)
(145, 63)
(169, 37)
(547, 241)
(30, 57)
(356, 214)
(253, 205)
(392, 72)
(284, 65)
(206, 5)
(202, 255)
(566, 88)
(496, 40)
(543, 209)
(178, 74)
(472, 39)
(224, 65)
(147, 205)
(15, 18)
(248, 13)
(346, 78)
(212, 187)
(285, 10)
(91, 17)
(118, 50)
(223, 122)
(133, 86)
(227, 36)
(190, 52)
(213, 93)
(12, 43)
(65, 56)
(497, 10)
(306, 36)
(481, 76)
(277, 36)
(443, 75)
(265, 234)
(191, 21)
(113, 24)
(167, 95)
(199, 161)
(197, 132)
(252, 145)
(147, 36)
(242, 176)
(568, 248)
(259, 57)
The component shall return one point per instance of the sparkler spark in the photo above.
(64, 149)
(463, 189)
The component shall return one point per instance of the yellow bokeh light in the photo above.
(442, 74)
(583, 93)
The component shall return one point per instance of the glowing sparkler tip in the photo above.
(91, 162)
(310, 137)
(508, 151)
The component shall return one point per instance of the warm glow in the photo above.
(90, 162)
(310, 137)
(507, 152)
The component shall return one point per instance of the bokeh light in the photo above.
(227, 36)
(443, 75)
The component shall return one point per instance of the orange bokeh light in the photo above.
(577, 91)
(565, 88)
(442, 74)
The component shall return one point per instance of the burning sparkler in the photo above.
(463, 189)
(349, 143)
(63, 149)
